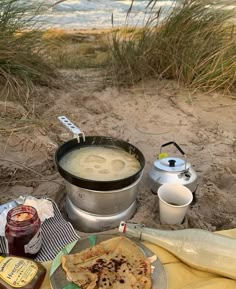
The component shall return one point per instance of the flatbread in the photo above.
(112, 264)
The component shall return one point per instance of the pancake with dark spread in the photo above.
(112, 264)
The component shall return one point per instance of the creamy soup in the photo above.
(100, 163)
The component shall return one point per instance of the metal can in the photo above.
(23, 231)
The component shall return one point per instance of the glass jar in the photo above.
(23, 231)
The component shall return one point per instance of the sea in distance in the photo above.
(89, 14)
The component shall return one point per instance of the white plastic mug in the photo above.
(174, 201)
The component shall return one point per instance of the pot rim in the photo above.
(117, 191)
(95, 184)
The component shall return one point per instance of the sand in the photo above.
(146, 115)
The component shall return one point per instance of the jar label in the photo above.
(34, 244)
(17, 272)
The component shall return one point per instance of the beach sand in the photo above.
(146, 115)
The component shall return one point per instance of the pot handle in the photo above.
(71, 127)
(179, 149)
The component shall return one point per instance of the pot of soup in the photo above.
(102, 173)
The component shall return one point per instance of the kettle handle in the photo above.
(175, 144)
(179, 149)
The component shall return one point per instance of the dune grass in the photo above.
(23, 62)
(195, 44)
(77, 49)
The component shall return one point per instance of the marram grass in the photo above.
(195, 44)
(22, 58)
(75, 49)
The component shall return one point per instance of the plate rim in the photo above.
(158, 265)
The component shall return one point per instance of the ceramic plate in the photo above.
(58, 278)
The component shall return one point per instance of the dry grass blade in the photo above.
(22, 59)
(194, 44)
(31, 170)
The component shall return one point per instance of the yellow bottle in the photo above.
(200, 249)
(17, 272)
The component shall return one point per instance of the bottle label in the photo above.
(34, 244)
(17, 272)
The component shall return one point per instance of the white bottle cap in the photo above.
(122, 227)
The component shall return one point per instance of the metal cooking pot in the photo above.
(172, 170)
(99, 141)
(103, 202)
(90, 223)
(99, 197)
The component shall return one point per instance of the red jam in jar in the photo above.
(23, 231)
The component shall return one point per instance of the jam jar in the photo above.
(23, 231)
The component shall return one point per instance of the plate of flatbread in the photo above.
(106, 261)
